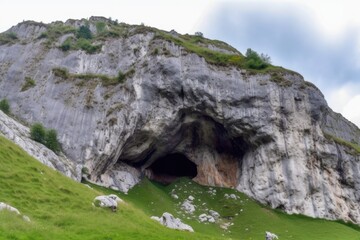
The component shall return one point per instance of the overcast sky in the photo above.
(319, 39)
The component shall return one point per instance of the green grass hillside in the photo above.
(60, 208)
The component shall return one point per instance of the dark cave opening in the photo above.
(170, 167)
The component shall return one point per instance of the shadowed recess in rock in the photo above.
(172, 166)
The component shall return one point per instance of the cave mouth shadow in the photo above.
(170, 167)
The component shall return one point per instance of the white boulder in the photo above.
(270, 236)
(232, 196)
(110, 201)
(173, 195)
(206, 218)
(188, 206)
(215, 214)
(4, 206)
(170, 221)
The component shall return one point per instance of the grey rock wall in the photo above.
(20, 134)
(242, 130)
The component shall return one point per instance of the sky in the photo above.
(318, 39)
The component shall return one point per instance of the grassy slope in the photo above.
(61, 209)
(250, 218)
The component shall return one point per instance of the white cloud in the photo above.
(351, 110)
(183, 16)
(346, 100)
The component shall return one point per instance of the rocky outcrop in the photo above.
(20, 135)
(268, 134)
(168, 220)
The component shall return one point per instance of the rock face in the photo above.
(269, 135)
(168, 220)
(20, 135)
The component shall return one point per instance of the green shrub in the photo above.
(100, 27)
(279, 79)
(84, 32)
(67, 44)
(86, 45)
(8, 37)
(43, 35)
(47, 137)
(4, 106)
(121, 77)
(155, 51)
(29, 83)
(199, 34)
(54, 31)
(61, 72)
(254, 60)
(51, 140)
(12, 35)
(38, 132)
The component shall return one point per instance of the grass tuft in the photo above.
(29, 83)
(354, 147)
(106, 80)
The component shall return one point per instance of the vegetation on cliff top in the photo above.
(213, 51)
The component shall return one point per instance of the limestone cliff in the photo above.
(20, 135)
(136, 96)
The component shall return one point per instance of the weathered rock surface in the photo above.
(20, 135)
(110, 201)
(270, 236)
(215, 214)
(188, 206)
(206, 218)
(170, 221)
(263, 136)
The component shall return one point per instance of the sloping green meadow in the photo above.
(60, 208)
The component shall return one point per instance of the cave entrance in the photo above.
(171, 167)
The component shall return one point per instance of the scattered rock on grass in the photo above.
(110, 201)
(4, 206)
(206, 218)
(188, 206)
(270, 236)
(215, 214)
(170, 221)
(232, 196)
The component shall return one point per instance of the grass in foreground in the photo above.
(60, 208)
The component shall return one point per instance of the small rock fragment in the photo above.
(170, 221)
